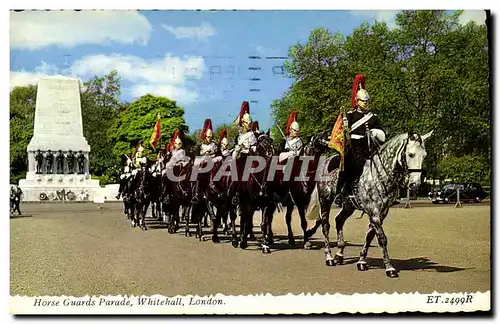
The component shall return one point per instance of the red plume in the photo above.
(223, 134)
(245, 109)
(206, 126)
(358, 80)
(255, 126)
(291, 118)
(170, 146)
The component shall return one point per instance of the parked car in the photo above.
(469, 192)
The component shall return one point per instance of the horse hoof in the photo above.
(234, 243)
(307, 245)
(329, 263)
(338, 259)
(266, 250)
(391, 273)
(243, 244)
(215, 239)
(361, 266)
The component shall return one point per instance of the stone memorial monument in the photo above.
(57, 134)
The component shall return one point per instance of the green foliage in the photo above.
(100, 107)
(467, 168)
(137, 122)
(22, 114)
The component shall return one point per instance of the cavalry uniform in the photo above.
(256, 129)
(245, 145)
(208, 150)
(139, 159)
(127, 169)
(246, 139)
(363, 127)
(208, 147)
(224, 144)
(177, 153)
(292, 144)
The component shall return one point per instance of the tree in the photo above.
(100, 107)
(137, 121)
(22, 115)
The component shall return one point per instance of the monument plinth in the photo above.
(58, 153)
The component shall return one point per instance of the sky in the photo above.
(208, 61)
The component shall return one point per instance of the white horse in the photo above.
(397, 160)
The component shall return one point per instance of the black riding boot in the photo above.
(340, 190)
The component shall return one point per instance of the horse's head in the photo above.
(317, 144)
(412, 157)
(265, 146)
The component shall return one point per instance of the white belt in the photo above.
(355, 136)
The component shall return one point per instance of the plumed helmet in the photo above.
(358, 90)
(223, 137)
(255, 126)
(207, 129)
(292, 123)
(362, 94)
(140, 149)
(178, 140)
(244, 116)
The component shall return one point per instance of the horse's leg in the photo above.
(143, 216)
(288, 219)
(250, 225)
(188, 219)
(267, 220)
(232, 216)
(303, 225)
(361, 265)
(325, 222)
(340, 219)
(382, 241)
(244, 219)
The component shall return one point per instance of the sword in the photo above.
(283, 134)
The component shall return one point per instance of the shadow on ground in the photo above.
(412, 264)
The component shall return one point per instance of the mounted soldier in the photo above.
(362, 126)
(207, 150)
(139, 157)
(224, 151)
(245, 144)
(175, 152)
(60, 162)
(291, 145)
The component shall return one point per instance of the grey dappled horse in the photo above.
(398, 158)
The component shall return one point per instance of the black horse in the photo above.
(252, 190)
(141, 188)
(294, 190)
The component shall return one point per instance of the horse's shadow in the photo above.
(412, 264)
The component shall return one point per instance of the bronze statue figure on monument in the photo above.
(70, 157)
(39, 162)
(50, 161)
(81, 162)
(60, 162)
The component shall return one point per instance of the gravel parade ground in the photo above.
(80, 249)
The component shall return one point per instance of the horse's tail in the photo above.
(314, 208)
